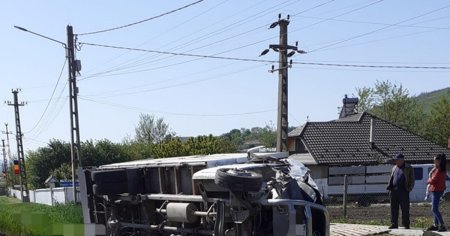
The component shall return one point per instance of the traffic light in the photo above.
(16, 167)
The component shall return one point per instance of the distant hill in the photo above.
(429, 98)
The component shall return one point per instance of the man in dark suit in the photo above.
(400, 184)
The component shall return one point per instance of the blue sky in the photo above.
(208, 95)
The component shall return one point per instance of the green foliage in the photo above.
(430, 98)
(55, 159)
(208, 145)
(393, 103)
(102, 152)
(169, 148)
(42, 162)
(201, 145)
(247, 138)
(64, 172)
(438, 122)
(18, 218)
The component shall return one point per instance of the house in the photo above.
(360, 140)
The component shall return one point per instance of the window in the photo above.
(418, 173)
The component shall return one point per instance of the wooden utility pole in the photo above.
(74, 67)
(282, 49)
(22, 169)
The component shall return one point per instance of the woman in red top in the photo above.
(436, 186)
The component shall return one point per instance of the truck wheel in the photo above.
(238, 180)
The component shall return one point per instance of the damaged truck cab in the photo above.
(221, 195)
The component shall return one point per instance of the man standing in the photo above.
(400, 184)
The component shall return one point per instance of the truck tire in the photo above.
(109, 176)
(238, 180)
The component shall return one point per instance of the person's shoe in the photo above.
(407, 227)
(432, 228)
(442, 228)
(393, 227)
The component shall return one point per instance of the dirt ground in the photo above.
(420, 214)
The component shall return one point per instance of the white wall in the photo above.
(44, 196)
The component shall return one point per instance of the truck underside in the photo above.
(234, 194)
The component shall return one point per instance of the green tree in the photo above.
(151, 130)
(169, 148)
(64, 172)
(204, 145)
(44, 160)
(55, 159)
(393, 103)
(437, 126)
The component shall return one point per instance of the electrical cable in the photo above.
(183, 83)
(268, 61)
(173, 113)
(379, 29)
(51, 97)
(220, 31)
(198, 39)
(373, 23)
(141, 21)
(53, 113)
(163, 33)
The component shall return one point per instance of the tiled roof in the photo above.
(356, 117)
(346, 141)
(296, 132)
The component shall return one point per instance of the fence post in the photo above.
(344, 197)
(51, 194)
(65, 195)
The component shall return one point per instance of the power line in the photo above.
(394, 37)
(139, 62)
(174, 113)
(51, 97)
(142, 21)
(379, 29)
(183, 83)
(53, 113)
(269, 61)
(125, 66)
(161, 34)
(373, 23)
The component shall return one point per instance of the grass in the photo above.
(18, 219)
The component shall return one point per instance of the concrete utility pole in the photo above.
(5, 163)
(22, 170)
(282, 48)
(7, 132)
(74, 67)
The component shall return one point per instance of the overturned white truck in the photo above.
(221, 195)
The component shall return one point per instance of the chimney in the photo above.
(349, 106)
(372, 133)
